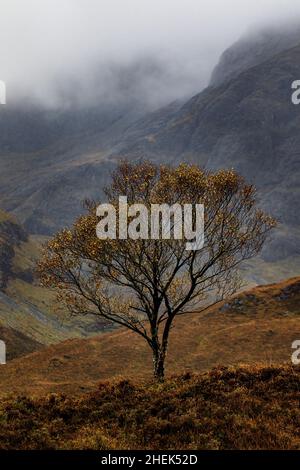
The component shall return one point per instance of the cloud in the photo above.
(57, 51)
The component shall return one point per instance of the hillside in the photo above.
(17, 344)
(253, 49)
(256, 326)
(26, 309)
(245, 408)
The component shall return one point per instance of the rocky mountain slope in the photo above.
(253, 49)
(244, 119)
(255, 326)
(248, 123)
(52, 158)
(60, 149)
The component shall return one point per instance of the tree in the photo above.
(144, 284)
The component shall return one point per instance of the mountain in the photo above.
(27, 311)
(247, 123)
(244, 119)
(60, 149)
(254, 48)
(256, 326)
(52, 158)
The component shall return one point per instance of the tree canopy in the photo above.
(144, 283)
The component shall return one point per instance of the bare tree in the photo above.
(143, 284)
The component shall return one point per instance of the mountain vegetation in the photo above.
(256, 326)
(226, 408)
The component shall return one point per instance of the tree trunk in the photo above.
(159, 365)
(160, 350)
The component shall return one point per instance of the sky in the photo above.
(59, 51)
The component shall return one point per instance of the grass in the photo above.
(256, 326)
(226, 408)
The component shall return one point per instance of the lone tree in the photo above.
(144, 283)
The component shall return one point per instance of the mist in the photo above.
(59, 53)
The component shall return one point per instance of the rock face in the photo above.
(248, 123)
(6, 256)
(11, 236)
(252, 50)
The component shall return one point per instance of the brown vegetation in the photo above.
(246, 408)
